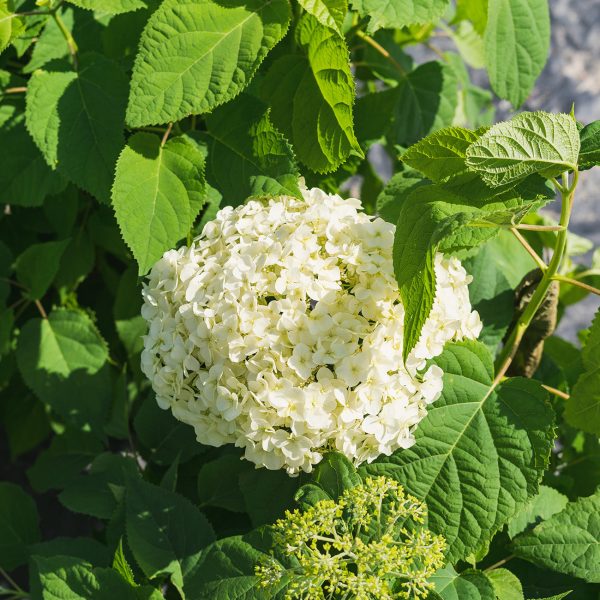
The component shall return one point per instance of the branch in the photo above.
(509, 350)
(374, 44)
(588, 288)
(536, 257)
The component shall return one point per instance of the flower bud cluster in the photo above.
(370, 544)
(280, 330)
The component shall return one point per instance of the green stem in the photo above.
(589, 288)
(516, 335)
(499, 563)
(68, 37)
(377, 46)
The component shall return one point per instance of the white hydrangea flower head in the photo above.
(280, 330)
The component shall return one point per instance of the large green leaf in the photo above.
(395, 14)
(162, 437)
(196, 55)
(113, 7)
(19, 525)
(98, 491)
(491, 296)
(218, 483)
(226, 570)
(76, 119)
(247, 156)
(70, 578)
(335, 474)
(311, 97)
(517, 40)
(479, 453)
(165, 532)
(568, 542)
(37, 266)
(157, 194)
(330, 13)
(468, 585)
(441, 155)
(506, 585)
(25, 178)
(63, 360)
(426, 100)
(541, 507)
(529, 143)
(583, 408)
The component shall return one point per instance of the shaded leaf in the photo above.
(76, 119)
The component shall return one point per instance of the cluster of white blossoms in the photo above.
(280, 330)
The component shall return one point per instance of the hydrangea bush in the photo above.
(278, 304)
(280, 330)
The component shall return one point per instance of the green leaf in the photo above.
(25, 178)
(165, 531)
(63, 461)
(10, 24)
(62, 359)
(583, 409)
(65, 342)
(70, 578)
(330, 13)
(441, 155)
(418, 294)
(311, 98)
(335, 474)
(51, 44)
(121, 565)
(517, 40)
(25, 421)
(226, 571)
(113, 7)
(468, 585)
(395, 193)
(218, 483)
(267, 494)
(76, 120)
(473, 10)
(97, 492)
(529, 143)
(38, 265)
(469, 43)
(568, 542)
(426, 101)
(506, 585)
(589, 155)
(434, 218)
(19, 525)
(491, 296)
(393, 14)
(85, 548)
(162, 436)
(157, 194)
(194, 56)
(247, 156)
(541, 507)
(479, 453)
